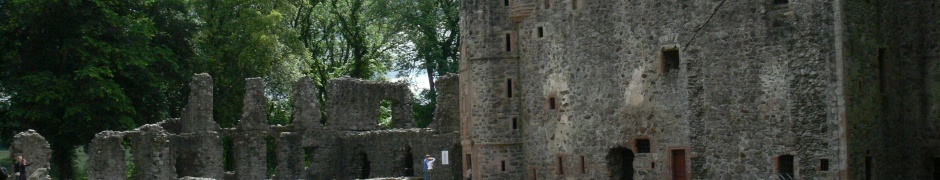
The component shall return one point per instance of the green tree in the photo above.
(74, 68)
(240, 39)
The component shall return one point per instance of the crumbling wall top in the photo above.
(354, 104)
(198, 113)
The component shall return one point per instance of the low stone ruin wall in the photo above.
(350, 145)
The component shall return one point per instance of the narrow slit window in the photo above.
(505, 2)
(868, 163)
(540, 32)
(936, 167)
(643, 146)
(508, 42)
(670, 60)
(509, 88)
(515, 123)
(502, 166)
(548, 4)
(561, 166)
(785, 167)
(583, 169)
(824, 165)
(574, 4)
(551, 103)
(882, 74)
(781, 1)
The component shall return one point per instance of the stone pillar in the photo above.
(447, 114)
(290, 156)
(306, 105)
(197, 116)
(199, 146)
(34, 148)
(152, 158)
(106, 156)
(250, 145)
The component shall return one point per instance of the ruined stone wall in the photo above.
(890, 56)
(366, 97)
(34, 148)
(305, 149)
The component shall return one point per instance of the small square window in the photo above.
(670, 60)
(540, 32)
(551, 103)
(643, 146)
(823, 164)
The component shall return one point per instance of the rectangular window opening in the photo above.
(508, 42)
(652, 165)
(868, 161)
(785, 167)
(824, 165)
(551, 103)
(882, 74)
(505, 2)
(781, 1)
(515, 123)
(936, 167)
(574, 4)
(583, 169)
(548, 4)
(670, 60)
(561, 166)
(541, 33)
(643, 146)
(503, 166)
(509, 88)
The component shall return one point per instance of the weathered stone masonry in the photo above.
(350, 145)
(726, 89)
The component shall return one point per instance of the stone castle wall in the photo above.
(755, 81)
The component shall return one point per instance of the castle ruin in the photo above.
(686, 89)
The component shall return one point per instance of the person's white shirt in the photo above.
(431, 163)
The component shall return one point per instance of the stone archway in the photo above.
(620, 163)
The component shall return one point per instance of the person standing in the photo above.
(428, 165)
(19, 167)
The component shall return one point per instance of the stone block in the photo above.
(152, 156)
(33, 147)
(106, 156)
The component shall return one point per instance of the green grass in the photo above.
(5, 158)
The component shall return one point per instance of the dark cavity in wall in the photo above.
(365, 167)
(228, 153)
(620, 163)
(271, 155)
(670, 60)
(308, 156)
(643, 146)
(868, 162)
(407, 162)
(824, 165)
(785, 167)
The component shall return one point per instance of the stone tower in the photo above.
(683, 89)
(490, 115)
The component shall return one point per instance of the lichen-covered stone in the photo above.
(106, 156)
(197, 116)
(354, 104)
(151, 150)
(33, 147)
(447, 114)
(306, 105)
